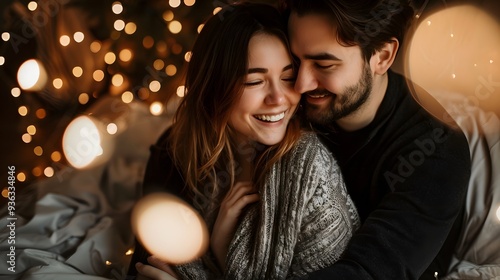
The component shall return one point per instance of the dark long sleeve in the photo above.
(407, 174)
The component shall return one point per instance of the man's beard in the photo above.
(340, 106)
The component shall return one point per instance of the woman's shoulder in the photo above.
(309, 145)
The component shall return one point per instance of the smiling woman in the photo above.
(236, 153)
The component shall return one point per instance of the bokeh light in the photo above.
(156, 108)
(64, 40)
(84, 143)
(117, 8)
(16, 92)
(130, 28)
(175, 27)
(32, 75)
(163, 221)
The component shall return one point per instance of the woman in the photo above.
(272, 196)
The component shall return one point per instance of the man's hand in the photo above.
(157, 270)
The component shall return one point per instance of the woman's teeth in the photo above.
(271, 118)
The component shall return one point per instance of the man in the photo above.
(406, 171)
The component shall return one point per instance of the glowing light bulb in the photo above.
(180, 91)
(174, 3)
(175, 27)
(117, 8)
(163, 221)
(32, 75)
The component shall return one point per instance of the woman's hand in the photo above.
(157, 270)
(239, 196)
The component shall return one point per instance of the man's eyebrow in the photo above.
(322, 56)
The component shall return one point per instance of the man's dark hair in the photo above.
(369, 24)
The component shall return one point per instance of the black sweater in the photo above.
(407, 173)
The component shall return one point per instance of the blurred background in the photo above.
(63, 59)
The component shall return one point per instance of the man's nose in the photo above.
(306, 80)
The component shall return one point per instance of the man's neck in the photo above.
(366, 113)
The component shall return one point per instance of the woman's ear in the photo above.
(383, 58)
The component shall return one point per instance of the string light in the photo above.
(48, 172)
(98, 75)
(38, 151)
(16, 92)
(187, 56)
(154, 86)
(21, 177)
(32, 75)
(23, 111)
(112, 128)
(2, 60)
(127, 97)
(26, 138)
(171, 70)
(117, 80)
(148, 42)
(95, 47)
(77, 71)
(37, 171)
(175, 27)
(56, 156)
(174, 3)
(83, 98)
(216, 10)
(32, 6)
(31, 130)
(181, 91)
(64, 40)
(57, 83)
(158, 64)
(156, 108)
(189, 3)
(117, 8)
(119, 25)
(5, 36)
(78, 37)
(130, 28)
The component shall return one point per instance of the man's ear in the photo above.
(383, 58)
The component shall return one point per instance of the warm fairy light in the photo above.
(108, 263)
(156, 108)
(453, 76)
(163, 220)
(187, 56)
(189, 3)
(498, 213)
(2, 60)
(85, 144)
(148, 42)
(158, 64)
(41, 113)
(117, 8)
(57, 83)
(117, 80)
(168, 15)
(78, 37)
(21, 177)
(171, 70)
(428, 23)
(56, 156)
(200, 27)
(38, 151)
(64, 40)
(16, 92)
(143, 93)
(112, 128)
(216, 10)
(176, 49)
(174, 3)
(119, 25)
(154, 86)
(26, 138)
(48, 172)
(31, 130)
(451, 35)
(127, 97)
(5, 193)
(98, 75)
(23, 111)
(83, 98)
(32, 6)
(125, 55)
(491, 61)
(95, 47)
(175, 27)
(110, 58)
(5, 36)
(181, 91)
(162, 48)
(32, 75)
(37, 171)
(77, 71)
(129, 252)
(130, 28)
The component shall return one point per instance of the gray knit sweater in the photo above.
(303, 222)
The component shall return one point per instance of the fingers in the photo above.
(161, 265)
(237, 192)
(152, 272)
